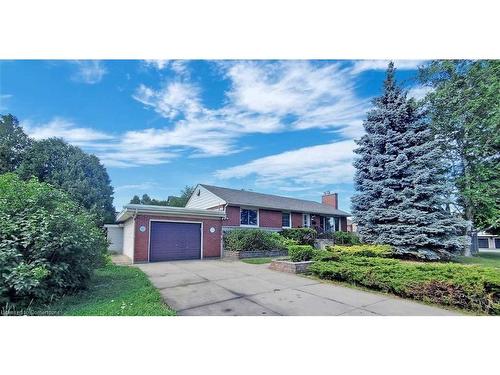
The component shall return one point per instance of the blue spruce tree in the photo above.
(400, 181)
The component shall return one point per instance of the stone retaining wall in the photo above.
(290, 267)
(236, 255)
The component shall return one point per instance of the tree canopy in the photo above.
(75, 172)
(172, 201)
(464, 109)
(13, 143)
(400, 181)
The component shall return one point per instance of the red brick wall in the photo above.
(269, 219)
(330, 200)
(211, 241)
(296, 219)
(343, 224)
(233, 216)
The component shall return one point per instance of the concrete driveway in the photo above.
(217, 287)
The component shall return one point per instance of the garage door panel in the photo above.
(175, 241)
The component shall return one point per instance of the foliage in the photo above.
(257, 260)
(13, 143)
(252, 240)
(400, 181)
(464, 108)
(342, 238)
(48, 244)
(181, 200)
(469, 287)
(300, 253)
(365, 250)
(112, 291)
(73, 171)
(172, 201)
(304, 236)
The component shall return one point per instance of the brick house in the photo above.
(148, 233)
(248, 209)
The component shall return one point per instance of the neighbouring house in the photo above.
(149, 233)
(487, 241)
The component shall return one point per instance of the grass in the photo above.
(257, 260)
(114, 290)
(483, 259)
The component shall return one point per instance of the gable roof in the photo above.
(274, 202)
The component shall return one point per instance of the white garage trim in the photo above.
(175, 221)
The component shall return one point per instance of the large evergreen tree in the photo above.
(400, 181)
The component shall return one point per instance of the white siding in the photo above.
(204, 200)
(115, 238)
(128, 238)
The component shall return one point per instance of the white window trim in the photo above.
(258, 217)
(289, 219)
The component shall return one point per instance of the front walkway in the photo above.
(216, 287)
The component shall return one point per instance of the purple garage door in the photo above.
(175, 241)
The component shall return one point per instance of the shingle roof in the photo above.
(250, 198)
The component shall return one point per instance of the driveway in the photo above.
(217, 287)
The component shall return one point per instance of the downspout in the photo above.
(221, 232)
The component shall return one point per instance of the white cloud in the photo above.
(180, 67)
(66, 129)
(111, 149)
(364, 65)
(323, 164)
(419, 92)
(89, 71)
(137, 187)
(172, 100)
(261, 96)
(3, 99)
(158, 64)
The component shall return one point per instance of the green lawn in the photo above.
(257, 260)
(114, 290)
(483, 259)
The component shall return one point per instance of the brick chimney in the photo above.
(330, 199)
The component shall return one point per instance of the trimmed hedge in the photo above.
(303, 236)
(469, 287)
(48, 244)
(300, 253)
(341, 238)
(364, 250)
(252, 240)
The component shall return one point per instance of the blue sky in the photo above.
(281, 127)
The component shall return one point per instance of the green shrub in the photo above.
(252, 240)
(346, 238)
(341, 238)
(364, 250)
(304, 236)
(300, 253)
(470, 287)
(48, 244)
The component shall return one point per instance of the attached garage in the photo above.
(157, 234)
(170, 240)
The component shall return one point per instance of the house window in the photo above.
(483, 242)
(497, 243)
(285, 219)
(306, 220)
(248, 217)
